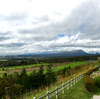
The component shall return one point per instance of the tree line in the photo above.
(29, 61)
(15, 84)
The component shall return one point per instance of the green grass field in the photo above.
(27, 66)
(71, 65)
(1, 75)
(24, 66)
(63, 66)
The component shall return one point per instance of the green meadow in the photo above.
(71, 65)
(63, 66)
(24, 66)
(58, 67)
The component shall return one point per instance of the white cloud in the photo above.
(32, 26)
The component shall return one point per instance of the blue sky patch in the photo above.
(69, 35)
(61, 35)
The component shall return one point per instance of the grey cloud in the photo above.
(4, 38)
(87, 14)
(12, 45)
(83, 19)
(5, 33)
(83, 46)
(41, 19)
(17, 16)
(38, 38)
(40, 33)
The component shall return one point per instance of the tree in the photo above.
(50, 75)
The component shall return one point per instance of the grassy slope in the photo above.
(71, 65)
(80, 90)
(76, 92)
(63, 66)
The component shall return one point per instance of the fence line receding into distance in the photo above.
(57, 90)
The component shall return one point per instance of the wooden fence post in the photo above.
(47, 94)
(63, 88)
(96, 74)
(78, 78)
(74, 80)
(71, 82)
(56, 92)
(82, 75)
(68, 85)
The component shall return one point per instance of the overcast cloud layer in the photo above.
(35, 26)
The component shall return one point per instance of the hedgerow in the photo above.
(97, 81)
(89, 83)
(91, 70)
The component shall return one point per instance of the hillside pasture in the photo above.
(71, 65)
(20, 67)
(30, 68)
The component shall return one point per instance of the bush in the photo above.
(97, 81)
(3, 69)
(91, 70)
(89, 83)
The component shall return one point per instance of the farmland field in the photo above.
(30, 68)
(71, 65)
(24, 66)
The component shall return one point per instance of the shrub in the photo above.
(77, 67)
(91, 70)
(97, 81)
(89, 83)
(3, 69)
(15, 91)
(5, 74)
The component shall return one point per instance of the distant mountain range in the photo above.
(60, 54)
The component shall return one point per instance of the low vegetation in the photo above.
(73, 72)
(76, 92)
(30, 68)
(89, 83)
(21, 67)
(17, 84)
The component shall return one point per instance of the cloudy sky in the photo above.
(36, 26)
